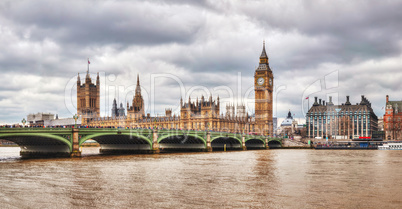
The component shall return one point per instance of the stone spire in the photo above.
(264, 64)
(88, 78)
(138, 87)
(263, 53)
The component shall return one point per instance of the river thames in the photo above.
(240, 179)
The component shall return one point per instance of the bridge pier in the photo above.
(209, 146)
(266, 142)
(243, 142)
(155, 144)
(75, 144)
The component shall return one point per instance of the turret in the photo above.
(114, 108)
(97, 79)
(78, 80)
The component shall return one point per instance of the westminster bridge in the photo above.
(64, 142)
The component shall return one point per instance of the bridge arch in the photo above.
(274, 143)
(255, 143)
(39, 143)
(182, 142)
(219, 142)
(184, 135)
(97, 135)
(120, 142)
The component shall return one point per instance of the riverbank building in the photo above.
(345, 121)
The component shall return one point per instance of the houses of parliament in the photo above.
(201, 114)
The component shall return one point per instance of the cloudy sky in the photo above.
(188, 48)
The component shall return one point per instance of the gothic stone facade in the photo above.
(263, 88)
(344, 121)
(88, 98)
(197, 115)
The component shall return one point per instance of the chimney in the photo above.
(387, 98)
(323, 102)
(347, 101)
(330, 101)
(363, 102)
(319, 102)
(315, 102)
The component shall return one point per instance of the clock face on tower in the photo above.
(260, 81)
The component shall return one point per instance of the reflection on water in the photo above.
(258, 179)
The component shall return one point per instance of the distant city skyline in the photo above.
(315, 49)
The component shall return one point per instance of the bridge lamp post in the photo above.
(75, 119)
(23, 122)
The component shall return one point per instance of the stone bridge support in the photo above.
(155, 144)
(209, 147)
(266, 142)
(243, 142)
(75, 152)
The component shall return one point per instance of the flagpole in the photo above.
(88, 67)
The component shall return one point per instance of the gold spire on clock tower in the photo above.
(263, 87)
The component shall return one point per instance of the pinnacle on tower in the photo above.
(88, 68)
(264, 56)
(138, 88)
(97, 79)
(78, 79)
(263, 53)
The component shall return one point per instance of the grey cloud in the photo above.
(204, 43)
(100, 23)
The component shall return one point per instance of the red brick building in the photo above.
(393, 120)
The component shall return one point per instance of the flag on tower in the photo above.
(89, 62)
(306, 97)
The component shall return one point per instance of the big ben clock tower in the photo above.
(263, 87)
